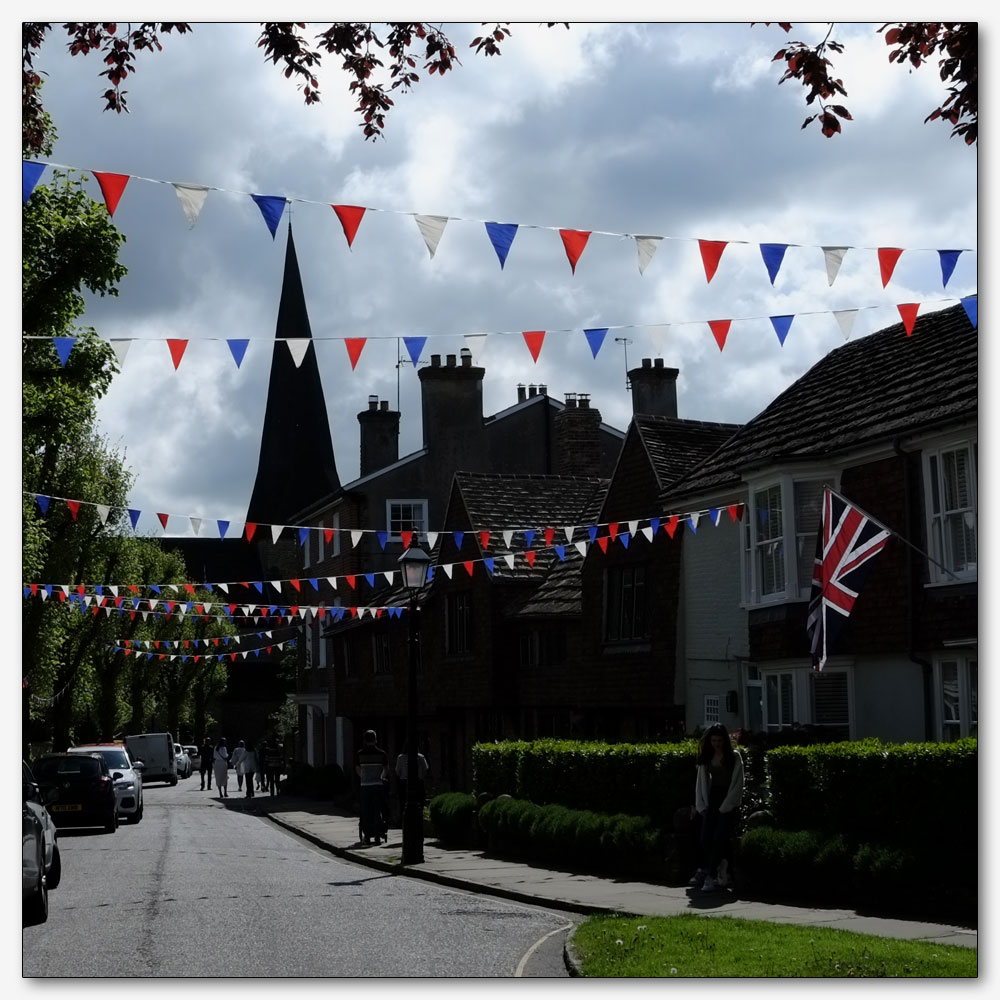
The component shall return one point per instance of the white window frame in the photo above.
(965, 697)
(937, 537)
(711, 710)
(320, 540)
(396, 501)
(772, 725)
(828, 670)
(794, 539)
(335, 525)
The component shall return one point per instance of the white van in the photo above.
(156, 751)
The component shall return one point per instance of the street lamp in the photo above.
(414, 563)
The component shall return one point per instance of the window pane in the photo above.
(769, 542)
(950, 710)
(808, 509)
(773, 712)
(786, 699)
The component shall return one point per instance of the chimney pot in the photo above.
(450, 360)
(532, 391)
(466, 356)
(521, 394)
(658, 363)
(384, 406)
(543, 390)
(372, 402)
(435, 361)
(584, 401)
(571, 399)
(645, 362)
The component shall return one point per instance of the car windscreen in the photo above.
(115, 758)
(64, 767)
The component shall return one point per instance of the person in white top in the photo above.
(237, 758)
(247, 767)
(220, 764)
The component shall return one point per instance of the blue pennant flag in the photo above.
(383, 537)
(949, 258)
(692, 525)
(595, 338)
(63, 346)
(654, 523)
(30, 173)
(415, 345)
(459, 537)
(489, 562)
(303, 536)
(27, 591)
(315, 583)
(208, 587)
(271, 206)
(223, 528)
(561, 552)
(48, 589)
(99, 590)
(713, 514)
(781, 325)
(773, 254)
(623, 538)
(133, 517)
(529, 536)
(370, 577)
(501, 235)
(971, 304)
(592, 532)
(259, 585)
(238, 348)
(154, 588)
(430, 573)
(43, 502)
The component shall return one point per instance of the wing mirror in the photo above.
(137, 765)
(116, 775)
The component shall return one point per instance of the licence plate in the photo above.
(73, 807)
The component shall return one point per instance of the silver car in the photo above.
(127, 776)
(184, 767)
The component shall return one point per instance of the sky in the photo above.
(676, 130)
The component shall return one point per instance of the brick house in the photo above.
(890, 422)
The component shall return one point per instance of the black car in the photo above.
(79, 789)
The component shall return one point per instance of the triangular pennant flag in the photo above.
(781, 325)
(671, 526)
(476, 342)
(711, 254)
(692, 521)
(508, 558)
(74, 507)
(574, 240)
(887, 258)
(271, 206)
(613, 530)
(845, 319)
(648, 532)
(112, 186)
(177, 348)
(971, 305)
(534, 338)
(297, 347)
(595, 338)
(250, 528)
(530, 556)
(834, 257)
(431, 227)
(383, 537)
(549, 535)
(569, 532)
(30, 174)
(406, 537)
(469, 566)
(508, 535)
(592, 532)
(370, 578)
(529, 536)
(560, 551)
(133, 516)
(276, 530)
(192, 199)
(223, 528)
(238, 348)
(658, 335)
(350, 218)
(949, 258)
(602, 543)
(484, 539)
(773, 254)
(196, 524)
(501, 235)
(389, 575)
(720, 330)
(354, 345)
(63, 346)
(581, 547)
(121, 346)
(489, 563)
(646, 247)
(458, 537)
(736, 512)
(714, 514)
(432, 537)
(163, 520)
(356, 534)
(908, 313)
(654, 524)
(350, 580)
(447, 569)
(43, 502)
(415, 345)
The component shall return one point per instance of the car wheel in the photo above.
(55, 870)
(36, 907)
(173, 780)
(112, 824)
(137, 815)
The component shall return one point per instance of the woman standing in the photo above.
(220, 764)
(718, 791)
(248, 766)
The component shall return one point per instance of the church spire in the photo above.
(296, 466)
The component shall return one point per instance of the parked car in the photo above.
(156, 751)
(183, 761)
(126, 774)
(41, 865)
(78, 789)
(194, 755)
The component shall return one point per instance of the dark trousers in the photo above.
(249, 777)
(716, 837)
(206, 771)
(373, 811)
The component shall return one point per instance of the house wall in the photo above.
(888, 699)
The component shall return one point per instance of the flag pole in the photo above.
(895, 534)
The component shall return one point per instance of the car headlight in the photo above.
(127, 785)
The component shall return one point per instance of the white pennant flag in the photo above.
(103, 511)
(432, 538)
(846, 318)
(693, 520)
(332, 580)
(192, 198)
(648, 532)
(172, 586)
(64, 587)
(121, 346)
(581, 547)
(569, 534)
(508, 536)
(208, 607)
(632, 526)
(447, 569)
(276, 530)
(297, 347)
(302, 612)
(834, 258)
(508, 558)
(145, 615)
(646, 245)
(113, 589)
(196, 524)
(152, 603)
(43, 594)
(389, 575)
(476, 343)
(277, 585)
(658, 335)
(224, 587)
(431, 227)
(355, 537)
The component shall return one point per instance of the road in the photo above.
(202, 888)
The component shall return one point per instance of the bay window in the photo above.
(950, 480)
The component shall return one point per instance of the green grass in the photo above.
(694, 946)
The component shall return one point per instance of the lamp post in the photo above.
(413, 563)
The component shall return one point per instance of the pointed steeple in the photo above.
(296, 465)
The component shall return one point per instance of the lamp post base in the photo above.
(413, 834)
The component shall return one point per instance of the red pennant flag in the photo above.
(269, 648)
(602, 543)
(170, 605)
(215, 641)
(177, 349)
(549, 535)
(468, 566)
(162, 656)
(354, 345)
(156, 644)
(187, 643)
(887, 258)
(328, 535)
(250, 528)
(574, 241)
(131, 616)
(378, 612)
(133, 588)
(81, 589)
(350, 218)
(671, 526)
(293, 611)
(322, 611)
(118, 601)
(232, 657)
(736, 512)
(711, 254)
(197, 657)
(232, 609)
(613, 530)
(350, 581)
(484, 539)
(163, 520)
(720, 330)
(112, 186)
(354, 612)
(908, 312)
(189, 587)
(407, 538)
(534, 338)
(62, 597)
(297, 584)
(74, 507)
(34, 589)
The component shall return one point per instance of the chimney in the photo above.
(521, 394)
(451, 399)
(578, 437)
(379, 435)
(654, 388)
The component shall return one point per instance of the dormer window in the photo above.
(405, 515)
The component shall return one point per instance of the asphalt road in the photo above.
(201, 888)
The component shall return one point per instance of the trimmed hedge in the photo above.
(453, 817)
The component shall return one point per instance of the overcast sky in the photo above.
(676, 130)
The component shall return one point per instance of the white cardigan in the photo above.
(733, 796)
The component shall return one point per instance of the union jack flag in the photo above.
(847, 542)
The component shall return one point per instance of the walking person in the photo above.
(274, 763)
(237, 758)
(402, 764)
(718, 792)
(220, 763)
(372, 768)
(205, 768)
(247, 767)
(260, 778)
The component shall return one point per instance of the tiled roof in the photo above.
(872, 390)
(674, 446)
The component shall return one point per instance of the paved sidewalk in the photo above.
(470, 869)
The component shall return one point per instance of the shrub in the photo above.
(452, 815)
(795, 864)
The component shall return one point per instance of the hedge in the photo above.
(453, 817)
